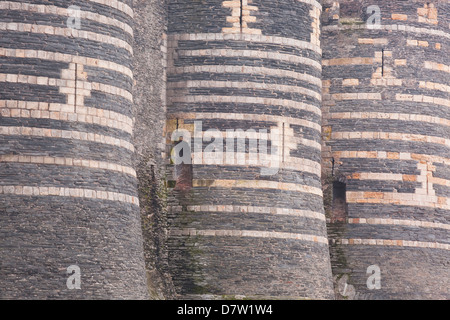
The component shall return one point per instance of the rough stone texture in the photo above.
(218, 246)
(63, 200)
(150, 56)
(86, 118)
(390, 177)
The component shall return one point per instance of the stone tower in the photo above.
(386, 155)
(314, 134)
(68, 190)
(251, 67)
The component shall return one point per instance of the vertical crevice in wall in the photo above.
(240, 14)
(149, 93)
(76, 85)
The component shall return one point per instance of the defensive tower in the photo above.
(386, 130)
(234, 230)
(68, 192)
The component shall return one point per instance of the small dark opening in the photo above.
(240, 16)
(339, 201)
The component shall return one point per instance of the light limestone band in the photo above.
(62, 57)
(69, 192)
(390, 136)
(65, 112)
(65, 161)
(245, 116)
(66, 134)
(432, 65)
(289, 163)
(172, 86)
(390, 155)
(356, 96)
(248, 70)
(399, 222)
(67, 84)
(391, 116)
(250, 233)
(245, 100)
(391, 27)
(173, 38)
(257, 184)
(252, 209)
(407, 199)
(422, 98)
(395, 243)
(259, 54)
(66, 32)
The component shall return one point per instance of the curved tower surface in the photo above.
(242, 224)
(386, 132)
(69, 212)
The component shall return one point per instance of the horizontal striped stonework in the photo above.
(244, 116)
(440, 181)
(244, 159)
(65, 161)
(390, 155)
(69, 192)
(65, 32)
(386, 82)
(356, 96)
(249, 233)
(348, 61)
(398, 177)
(275, 40)
(434, 86)
(243, 85)
(50, 9)
(399, 222)
(65, 112)
(390, 27)
(62, 57)
(390, 136)
(252, 209)
(66, 134)
(373, 41)
(390, 116)
(422, 98)
(407, 199)
(313, 3)
(289, 141)
(246, 100)
(68, 86)
(416, 43)
(248, 70)
(257, 184)
(399, 243)
(258, 54)
(436, 66)
(116, 5)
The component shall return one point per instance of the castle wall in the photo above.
(149, 93)
(232, 229)
(68, 188)
(386, 121)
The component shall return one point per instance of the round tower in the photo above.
(386, 155)
(244, 90)
(68, 196)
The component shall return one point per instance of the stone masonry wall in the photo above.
(386, 126)
(234, 231)
(149, 70)
(68, 188)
